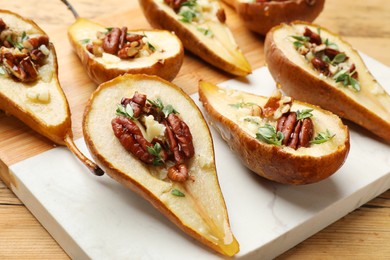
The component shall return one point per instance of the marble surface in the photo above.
(95, 217)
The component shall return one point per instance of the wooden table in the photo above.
(363, 233)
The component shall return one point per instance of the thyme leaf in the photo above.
(15, 43)
(177, 193)
(322, 137)
(84, 41)
(242, 104)
(347, 80)
(24, 36)
(268, 134)
(168, 109)
(305, 113)
(125, 111)
(339, 58)
(207, 32)
(155, 151)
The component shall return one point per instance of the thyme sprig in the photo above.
(242, 104)
(305, 113)
(155, 151)
(168, 109)
(346, 78)
(268, 134)
(322, 137)
(125, 111)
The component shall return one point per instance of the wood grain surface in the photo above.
(362, 234)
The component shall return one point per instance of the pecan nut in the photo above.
(178, 173)
(221, 15)
(297, 133)
(320, 66)
(111, 41)
(314, 37)
(137, 103)
(131, 138)
(182, 134)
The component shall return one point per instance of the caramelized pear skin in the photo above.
(231, 113)
(211, 40)
(355, 95)
(196, 205)
(164, 59)
(261, 16)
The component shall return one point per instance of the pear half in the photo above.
(40, 104)
(367, 106)
(208, 38)
(231, 113)
(201, 212)
(261, 16)
(165, 61)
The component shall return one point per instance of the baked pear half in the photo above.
(29, 86)
(147, 134)
(261, 15)
(201, 27)
(107, 52)
(315, 65)
(278, 138)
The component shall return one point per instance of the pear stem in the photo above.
(93, 167)
(71, 8)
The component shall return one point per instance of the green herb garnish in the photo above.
(24, 36)
(347, 80)
(268, 134)
(125, 111)
(189, 3)
(331, 44)
(85, 41)
(251, 120)
(109, 29)
(151, 46)
(177, 193)
(300, 41)
(305, 113)
(187, 15)
(242, 104)
(15, 44)
(205, 31)
(168, 109)
(322, 137)
(339, 58)
(155, 151)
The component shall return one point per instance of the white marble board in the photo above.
(95, 217)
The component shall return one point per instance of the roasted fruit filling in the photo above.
(198, 12)
(119, 43)
(326, 58)
(155, 134)
(21, 55)
(275, 123)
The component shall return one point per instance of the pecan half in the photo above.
(331, 53)
(297, 133)
(178, 173)
(320, 66)
(131, 138)
(182, 134)
(137, 103)
(111, 41)
(3, 26)
(221, 15)
(38, 41)
(314, 37)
